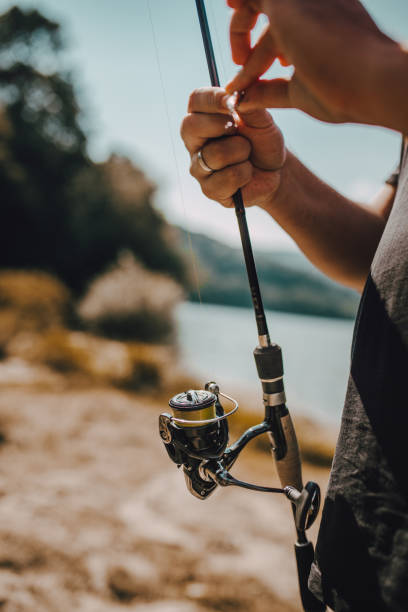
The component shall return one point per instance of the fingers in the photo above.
(259, 60)
(208, 118)
(256, 5)
(197, 128)
(236, 156)
(222, 185)
(242, 22)
(208, 100)
(219, 154)
(267, 145)
(205, 129)
(267, 94)
(235, 4)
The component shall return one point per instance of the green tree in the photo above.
(60, 211)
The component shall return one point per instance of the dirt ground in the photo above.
(95, 518)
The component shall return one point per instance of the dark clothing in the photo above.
(362, 549)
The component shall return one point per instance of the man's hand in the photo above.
(345, 68)
(249, 157)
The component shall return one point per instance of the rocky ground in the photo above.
(94, 517)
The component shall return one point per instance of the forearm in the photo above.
(338, 235)
(385, 99)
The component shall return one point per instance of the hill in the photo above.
(289, 282)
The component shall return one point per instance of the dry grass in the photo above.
(96, 519)
(132, 366)
(31, 302)
(35, 309)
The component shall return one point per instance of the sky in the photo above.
(136, 62)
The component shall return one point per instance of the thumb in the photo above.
(272, 93)
(268, 148)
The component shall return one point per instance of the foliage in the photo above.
(129, 302)
(87, 358)
(62, 212)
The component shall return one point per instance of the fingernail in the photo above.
(224, 100)
(231, 124)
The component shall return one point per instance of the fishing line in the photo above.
(173, 148)
(196, 433)
(218, 39)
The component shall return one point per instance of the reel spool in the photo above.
(194, 408)
(196, 434)
(198, 427)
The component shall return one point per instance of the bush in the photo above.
(131, 303)
(32, 302)
(97, 360)
(35, 309)
(35, 293)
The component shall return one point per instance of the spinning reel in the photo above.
(196, 438)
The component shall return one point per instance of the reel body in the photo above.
(200, 446)
(195, 434)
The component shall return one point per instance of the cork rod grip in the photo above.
(289, 468)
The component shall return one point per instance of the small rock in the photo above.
(134, 578)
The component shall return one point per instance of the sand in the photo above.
(94, 517)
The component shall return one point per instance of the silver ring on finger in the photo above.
(205, 167)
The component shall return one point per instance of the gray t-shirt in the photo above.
(362, 549)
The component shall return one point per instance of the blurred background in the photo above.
(121, 285)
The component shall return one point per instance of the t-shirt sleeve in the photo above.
(394, 177)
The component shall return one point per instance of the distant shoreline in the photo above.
(289, 282)
(292, 309)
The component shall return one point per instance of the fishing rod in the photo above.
(196, 434)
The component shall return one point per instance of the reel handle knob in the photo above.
(306, 504)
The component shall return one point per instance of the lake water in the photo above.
(216, 343)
